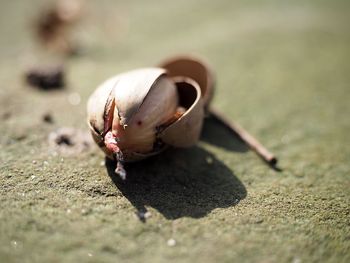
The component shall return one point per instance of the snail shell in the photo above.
(148, 98)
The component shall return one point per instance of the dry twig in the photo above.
(252, 142)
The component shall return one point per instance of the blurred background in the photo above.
(282, 70)
(273, 59)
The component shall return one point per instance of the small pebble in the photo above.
(171, 242)
(143, 215)
(47, 117)
(147, 214)
(209, 160)
(14, 243)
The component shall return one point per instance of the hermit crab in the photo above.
(140, 113)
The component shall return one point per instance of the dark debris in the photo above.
(46, 78)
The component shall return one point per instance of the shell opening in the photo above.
(187, 94)
(190, 122)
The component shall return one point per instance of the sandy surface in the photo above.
(283, 73)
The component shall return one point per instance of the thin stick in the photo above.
(253, 143)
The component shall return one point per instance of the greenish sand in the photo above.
(283, 72)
